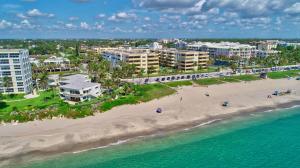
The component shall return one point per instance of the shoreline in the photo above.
(126, 138)
(44, 139)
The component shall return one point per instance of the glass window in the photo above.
(3, 55)
(6, 73)
(19, 78)
(9, 90)
(19, 83)
(21, 89)
(5, 67)
(17, 66)
(16, 61)
(18, 73)
(14, 55)
(4, 61)
(74, 92)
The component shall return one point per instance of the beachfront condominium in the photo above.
(15, 71)
(183, 60)
(143, 59)
(226, 49)
(267, 45)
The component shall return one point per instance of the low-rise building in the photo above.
(143, 59)
(226, 49)
(183, 60)
(78, 88)
(53, 60)
(15, 71)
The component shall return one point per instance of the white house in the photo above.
(78, 88)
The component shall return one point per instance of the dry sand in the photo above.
(39, 138)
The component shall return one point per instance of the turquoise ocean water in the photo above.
(269, 140)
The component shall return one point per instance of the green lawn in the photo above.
(209, 81)
(179, 83)
(45, 99)
(144, 93)
(284, 74)
(12, 97)
(246, 77)
(230, 79)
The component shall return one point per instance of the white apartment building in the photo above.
(15, 67)
(266, 45)
(142, 58)
(56, 61)
(78, 88)
(266, 53)
(227, 49)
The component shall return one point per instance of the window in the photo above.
(74, 92)
(6, 73)
(20, 89)
(4, 61)
(17, 66)
(3, 55)
(18, 73)
(9, 90)
(14, 55)
(19, 83)
(5, 67)
(16, 61)
(19, 78)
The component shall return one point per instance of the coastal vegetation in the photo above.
(284, 74)
(209, 81)
(142, 93)
(179, 83)
(49, 104)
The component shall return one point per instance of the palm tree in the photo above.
(44, 81)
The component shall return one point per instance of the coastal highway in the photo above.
(195, 76)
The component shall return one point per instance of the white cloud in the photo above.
(70, 26)
(38, 13)
(84, 26)
(73, 18)
(5, 24)
(294, 9)
(101, 15)
(122, 16)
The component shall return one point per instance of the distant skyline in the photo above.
(149, 19)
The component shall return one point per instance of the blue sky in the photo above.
(149, 18)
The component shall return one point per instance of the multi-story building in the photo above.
(266, 53)
(78, 88)
(226, 49)
(143, 59)
(15, 71)
(183, 60)
(266, 45)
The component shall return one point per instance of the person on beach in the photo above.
(180, 99)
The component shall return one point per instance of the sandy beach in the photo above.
(19, 142)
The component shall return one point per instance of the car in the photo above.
(298, 78)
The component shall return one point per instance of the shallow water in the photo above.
(269, 139)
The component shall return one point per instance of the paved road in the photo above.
(183, 77)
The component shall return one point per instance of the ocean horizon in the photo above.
(265, 139)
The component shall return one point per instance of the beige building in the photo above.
(142, 58)
(183, 60)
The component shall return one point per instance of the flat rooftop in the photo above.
(11, 50)
(79, 85)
